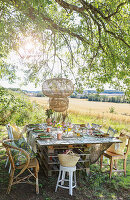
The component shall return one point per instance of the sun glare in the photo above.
(29, 48)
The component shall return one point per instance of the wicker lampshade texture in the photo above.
(58, 89)
(59, 104)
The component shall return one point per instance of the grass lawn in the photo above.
(96, 186)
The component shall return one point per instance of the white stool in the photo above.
(62, 179)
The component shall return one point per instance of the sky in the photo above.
(29, 87)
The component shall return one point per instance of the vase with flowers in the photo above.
(48, 113)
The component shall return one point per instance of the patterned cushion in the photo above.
(18, 157)
(21, 143)
(118, 148)
(12, 143)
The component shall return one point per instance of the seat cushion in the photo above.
(19, 158)
(33, 164)
(120, 147)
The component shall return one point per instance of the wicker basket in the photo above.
(69, 159)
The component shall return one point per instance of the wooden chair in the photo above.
(96, 126)
(114, 157)
(111, 132)
(30, 163)
(11, 136)
(10, 133)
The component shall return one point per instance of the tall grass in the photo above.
(76, 117)
(82, 111)
(103, 115)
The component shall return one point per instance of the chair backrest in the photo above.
(121, 148)
(14, 132)
(11, 149)
(10, 133)
(128, 146)
(111, 132)
(96, 126)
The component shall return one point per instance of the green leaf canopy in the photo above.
(87, 41)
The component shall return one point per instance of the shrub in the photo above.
(112, 109)
(16, 108)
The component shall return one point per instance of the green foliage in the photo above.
(87, 41)
(112, 109)
(79, 118)
(16, 108)
(105, 98)
(40, 94)
(49, 112)
(102, 98)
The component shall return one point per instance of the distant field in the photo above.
(97, 109)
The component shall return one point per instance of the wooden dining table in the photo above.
(90, 148)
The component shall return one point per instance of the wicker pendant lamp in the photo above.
(58, 89)
(59, 104)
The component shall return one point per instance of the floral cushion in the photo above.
(18, 157)
(21, 143)
(12, 144)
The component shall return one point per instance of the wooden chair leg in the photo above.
(36, 175)
(10, 180)
(37, 185)
(124, 167)
(111, 167)
(115, 164)
(101, 161)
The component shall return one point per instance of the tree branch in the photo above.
(92, 8)
(71, 7)
(31, 14)
(65, 30)
(117, 9)
(110, 32)
(117, 37)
